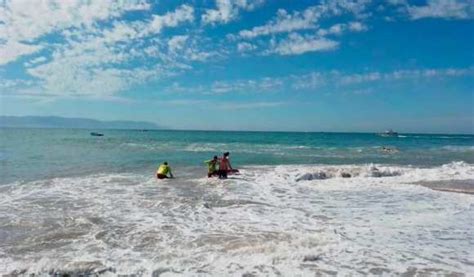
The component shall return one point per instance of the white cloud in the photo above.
(200, 56)
(99, 62)
(246, 86)
(228, 10)
(126, 31)
(262, 85)
(181, 49)
(13, 84)
(221, 105)
(249, 4)
(184, 13)
(337, 29)
(297, 44)
(24, 21)
(316, 80)
(355, 83)
(224, 13)
(11, 50)
(300, 26)
(37, 60)
(284, 23)
(66, 80)
(245, 47)
(357, 27)
(447, 9)
(97, 51)
(428, 73)
(356, 7)
(360, 78)
(308, 81)
(84, 38)
(309, 18)
(460, 9)
(340, 28)
(177, 42)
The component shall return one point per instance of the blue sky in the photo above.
(291, 65)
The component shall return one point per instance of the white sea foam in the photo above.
(435, 137)
(244, 148)
(264, 221)
(458, 148)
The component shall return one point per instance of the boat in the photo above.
(94, 134)
(389, 133)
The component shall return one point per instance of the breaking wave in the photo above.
(269, 220)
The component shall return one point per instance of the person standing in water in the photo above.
(163, 171)
(224, 166)
(212, 167)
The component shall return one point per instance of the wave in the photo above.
(305, 172)
(245, 148)
(370, 171)
(451, 171)
(214, 147)
(455, 137)
(458, 148)
(436, 137)
(265, 220)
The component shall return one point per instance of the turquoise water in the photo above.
(29, 154)
(303, 204)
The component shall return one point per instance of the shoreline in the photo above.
(456, 186)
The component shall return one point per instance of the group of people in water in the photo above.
(217, 167)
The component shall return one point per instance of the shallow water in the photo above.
(32, 154)
(81, 210)
(260, 222)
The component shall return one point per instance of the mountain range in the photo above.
(77, 123)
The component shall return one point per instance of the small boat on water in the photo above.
(389, 133)
(94, 134)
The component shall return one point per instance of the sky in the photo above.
(283, 65)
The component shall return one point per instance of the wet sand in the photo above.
(459, 186)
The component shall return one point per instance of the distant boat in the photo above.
(94, 134)
(389, 133)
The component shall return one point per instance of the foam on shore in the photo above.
(266, 221)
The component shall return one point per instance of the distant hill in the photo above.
(63, 122)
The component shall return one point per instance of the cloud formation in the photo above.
(99, 61)
(321, 80)
(297, 44)
(228, 10)
(336, 78)
(446, 9)
(99, 49)
(443, 9)
(307, 19)
(24, 22)
(299, 32)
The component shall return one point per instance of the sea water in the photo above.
(303, 204)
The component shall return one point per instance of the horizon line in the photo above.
(235, 131)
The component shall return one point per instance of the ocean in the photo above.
(304, 204)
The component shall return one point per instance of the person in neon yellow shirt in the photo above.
(163, 171)
(212, 167)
